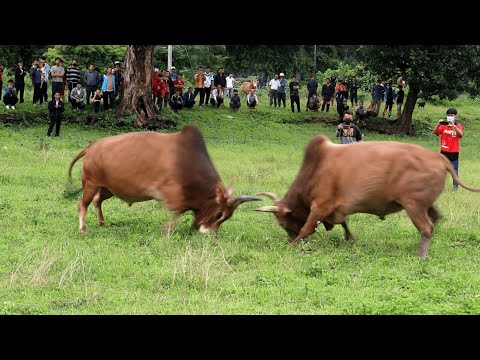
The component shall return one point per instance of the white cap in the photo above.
(282, 74)
(117, 62)
(173, 67)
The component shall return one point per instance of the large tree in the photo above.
(430, 70)
(137, 84)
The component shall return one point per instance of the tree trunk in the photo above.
(137, 84)
(405, 120)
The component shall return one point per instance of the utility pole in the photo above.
(169, 60)
(315, 60)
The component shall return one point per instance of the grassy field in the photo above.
(132, 266)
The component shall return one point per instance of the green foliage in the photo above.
(190, 57)
(433, 69)
(272, 59)
(100, 55)
(346, 70)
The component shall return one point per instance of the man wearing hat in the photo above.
(450, 132)
(282, 94)
(172, 76)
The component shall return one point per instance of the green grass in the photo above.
(132, 266)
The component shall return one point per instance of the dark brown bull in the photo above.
(140, 166)
(388, 176)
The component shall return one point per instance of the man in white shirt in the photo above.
(230, 81)
(273, 93)
(208, 84)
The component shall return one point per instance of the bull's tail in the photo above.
(455, 177)
(68, 192)
(75, 159)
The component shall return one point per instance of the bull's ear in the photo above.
(229, 193)
(220, 193)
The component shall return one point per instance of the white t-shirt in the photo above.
(230, 81)
(274, 84)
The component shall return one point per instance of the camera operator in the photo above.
(348, 132)
(451, 131)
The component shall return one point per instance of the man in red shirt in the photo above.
(451, 131)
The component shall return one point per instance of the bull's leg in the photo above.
(348, 234)
(89, 192)
(102, 194)
(433, 214)
(421, 219)
(311, 223)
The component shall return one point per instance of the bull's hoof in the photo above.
(83, 232)
(102, 223)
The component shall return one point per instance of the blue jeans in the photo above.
(455, 166)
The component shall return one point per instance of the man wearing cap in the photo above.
(282, 94)
(57, 76)
(450, 132)
(172, 76)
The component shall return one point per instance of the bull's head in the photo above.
(291, 222)
(220, 209)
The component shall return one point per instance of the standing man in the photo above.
(353, 87)
(172, 76)
(20, 73)
(450, 132)
(199, 85)
(57, 76)
(327, 94)
(282, 90)
(73, 76)
(312, 87)
(108, 89)
(230, 83)
(377, 95)
(400, 96)
(273, 90)
(294, 93)
(390, 98)
(45, 69)
(208, 84)
(56, 108)
(92, 79)
(117, 71)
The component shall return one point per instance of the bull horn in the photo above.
(241, 199)
(269, 208)
(270, 195)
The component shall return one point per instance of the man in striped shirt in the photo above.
(73, 76)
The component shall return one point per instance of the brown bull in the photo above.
(247, 86)
(140, 166)
(389, 176)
